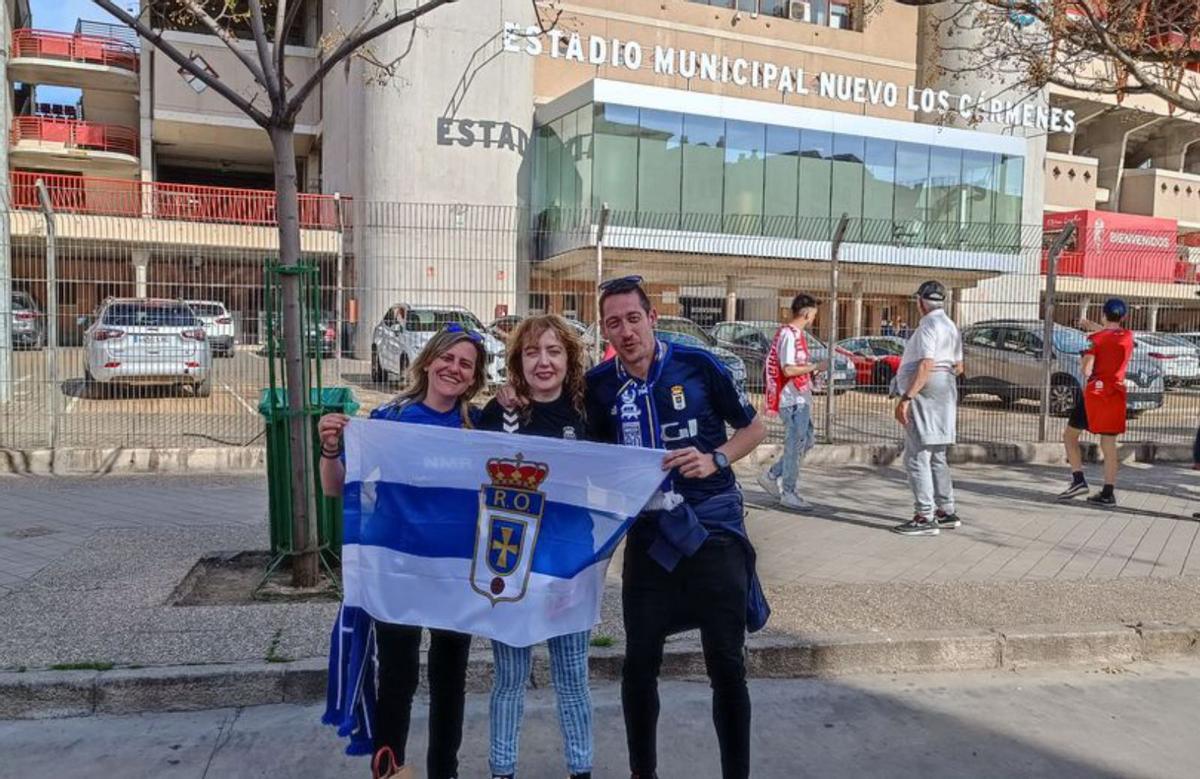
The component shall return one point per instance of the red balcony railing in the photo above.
(184, 202)
(75, 134)
(93, 49)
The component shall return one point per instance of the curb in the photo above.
(90, 462)
(53, 694)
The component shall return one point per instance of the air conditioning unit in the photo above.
(799, 11)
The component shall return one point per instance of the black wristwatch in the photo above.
(721, 461)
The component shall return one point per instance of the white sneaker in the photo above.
(772, 487)
(790, 500)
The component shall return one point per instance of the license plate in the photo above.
(840, 376)
(1140, 404)
(151, 340)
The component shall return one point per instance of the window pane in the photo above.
(1010, 179)
(816, 168)
(703, 172)
(614, 169)
(660, 163)
(912, 183)
(847, 193)
(744, 143)
(879, 186)
(541, 191)
(782, 172)
(945, 196)
(979, 194)
(774, 8)
(569, 186)
(582, 153)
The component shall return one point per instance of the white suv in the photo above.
(142, 341)
(405, 330)
(218, 325)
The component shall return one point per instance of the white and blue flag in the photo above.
(502, 536)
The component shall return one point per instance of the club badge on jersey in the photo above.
(678, 399)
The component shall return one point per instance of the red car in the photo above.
(876, 359)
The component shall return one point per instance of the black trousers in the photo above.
(399, 655)
(708, 591)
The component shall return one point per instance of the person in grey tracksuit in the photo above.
(927, 386)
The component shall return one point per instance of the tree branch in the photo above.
(230, 42)
(259, 31)
(353, 42)
(281, 33)
(155, 39)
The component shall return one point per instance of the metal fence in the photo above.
(390, 273)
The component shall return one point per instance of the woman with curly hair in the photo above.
(546, 373)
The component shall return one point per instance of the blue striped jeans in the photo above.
(569, 672)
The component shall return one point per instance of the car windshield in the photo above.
(146, 314)
(670, 336)
(886, 346)
(208, 309)
(684, 327)
(21, 301)
(1068, 340)
(429, 321)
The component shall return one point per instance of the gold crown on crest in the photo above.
(517, 473)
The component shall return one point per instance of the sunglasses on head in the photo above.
(455, 327)
(622, 284)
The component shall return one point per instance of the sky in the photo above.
(61, 15)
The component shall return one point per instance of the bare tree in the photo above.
(266, 23)
(1106, 47)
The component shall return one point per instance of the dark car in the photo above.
(322, 334)
(683, 331)
(752, 340)
(28, 322)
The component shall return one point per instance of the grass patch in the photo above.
(82, 667)
(273, 655)
(603, 640)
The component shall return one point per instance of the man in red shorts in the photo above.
(1100, 407)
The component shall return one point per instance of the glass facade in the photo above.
(673, 171)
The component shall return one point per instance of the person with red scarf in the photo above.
(1101, 407)
(789, 377)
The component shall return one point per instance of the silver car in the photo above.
(405, 329)
(28, 323)
(218, 325)
(1004, 358)
(147, 341)
(1178, 358)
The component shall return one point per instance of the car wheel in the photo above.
(882, 379)
(203, 389)
(378, 375)
(1063, 390)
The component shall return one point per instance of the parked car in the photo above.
(1192, 338)
(876, 359)
(321, 336)
(751, 340)
(685, 331)
(1178, 358)
(218, 325)
(405, 329)
(28, 322)
(147, 341)
(1004, 358)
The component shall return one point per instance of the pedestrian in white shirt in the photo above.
(927, 384)
(790, 371)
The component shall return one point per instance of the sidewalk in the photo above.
(89, 564)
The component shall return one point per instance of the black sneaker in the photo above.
(582, 775)
(1103, 499)
(1076, 488)
(918, 526)
(948, 521)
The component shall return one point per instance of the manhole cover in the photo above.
(30, 532)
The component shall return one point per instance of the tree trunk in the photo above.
(287, 212)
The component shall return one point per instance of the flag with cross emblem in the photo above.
(497, 535)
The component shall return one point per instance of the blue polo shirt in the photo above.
(418, 413)
(694, 398)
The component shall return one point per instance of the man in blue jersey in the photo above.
(688, 561)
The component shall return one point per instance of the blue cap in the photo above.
(1115, 308)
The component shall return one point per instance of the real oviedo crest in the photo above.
(506, 533)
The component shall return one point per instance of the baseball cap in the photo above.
(932, 290)
(1115, 307)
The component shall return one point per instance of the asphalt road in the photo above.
(1100, 723)
(158, 417)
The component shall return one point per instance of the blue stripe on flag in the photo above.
(441, 522)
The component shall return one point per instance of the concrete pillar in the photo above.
(856, 309)
(1084, 305)
(731, 299)
(1152, 317)
(1168, 150)
(1107, 139)
(141, 272)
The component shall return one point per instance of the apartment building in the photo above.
(725, 138)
